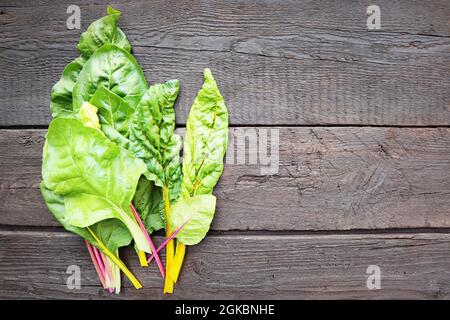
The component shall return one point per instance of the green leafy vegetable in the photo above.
(110, 271)
(61, 96)
(100, 32)
(151, 130)
(114, 69)
(111, 162)
(55, 204)
(88, 116)
(111, 232)
(205, 145)
(103, 31)
(152, 136)
(97, 178)
(199, 210)
(206, 140)
(114, 115)
(152, 139)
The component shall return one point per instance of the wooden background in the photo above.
(364, 159)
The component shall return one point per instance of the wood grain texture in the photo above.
(238, 267)
(276, 62)
(328, 179)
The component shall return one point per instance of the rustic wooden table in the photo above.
(364, 155)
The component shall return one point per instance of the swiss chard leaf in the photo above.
(112, 232)
(152, 136)
(206, 140)
(199, 211)
(153, 125)
(100, 32)
(61, 95)
(205, 145)
(96, 178)
(115, 118)
(114, 69)
(114, 115)
(103, 31)
(55, 204)
(152, 139)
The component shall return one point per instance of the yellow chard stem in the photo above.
(117, 261)
(168, 281)
(178, 261)
(142, 258)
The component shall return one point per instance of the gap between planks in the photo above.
(256, 233)
(313, 125)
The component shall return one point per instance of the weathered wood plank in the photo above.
(328, 179)
(416, 17)
(277, 62)
(237, 267)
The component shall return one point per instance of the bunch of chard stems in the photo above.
(111, 280)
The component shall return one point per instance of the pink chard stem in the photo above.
(152, 246)
(99, 260)
(94, 261)
(103, 265)
(167, 241)
(108, 272)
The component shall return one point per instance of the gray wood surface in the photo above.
(415, 266)
(277, 62)
(328, 179)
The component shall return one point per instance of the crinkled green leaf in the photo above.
(153, 140)
(152, 136)
(114, 69)
(96, 178)
(206, 140)
(172, 170)
(114, 115)
(199, 210)
(205, 145)
(100, 32)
